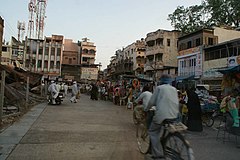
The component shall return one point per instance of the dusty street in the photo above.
(92, 130)
(84, 130)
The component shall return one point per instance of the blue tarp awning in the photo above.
(233, 69)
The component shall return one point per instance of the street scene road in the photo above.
(97, 130)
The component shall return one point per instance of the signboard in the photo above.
(198, 69)
(89, 73)
(233, 61)
(189, 51)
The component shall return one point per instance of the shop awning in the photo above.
(181, 78)
(233, 69)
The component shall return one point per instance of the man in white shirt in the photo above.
(165, 98)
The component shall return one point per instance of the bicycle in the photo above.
(174, 144)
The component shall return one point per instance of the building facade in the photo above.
(71, 53)
(220, 56)
(12, 53)
(161, 53)
(1, 36)
(87, 52)
(139, 58)
(44, 56)
(191, 60)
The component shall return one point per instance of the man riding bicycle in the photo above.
(165, 98)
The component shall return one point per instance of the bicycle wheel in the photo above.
(143, 140)
(135, 121)
(177, 148)
(208, 120)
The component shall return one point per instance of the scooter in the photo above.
(58, 100)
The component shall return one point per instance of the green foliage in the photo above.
(209, 13)
(225, 12)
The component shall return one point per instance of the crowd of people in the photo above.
(169, 102)
(55, 88)
(165, 98)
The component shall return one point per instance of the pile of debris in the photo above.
(16, 101)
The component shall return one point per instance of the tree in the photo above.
(224, 12)
(188, 19)
(209, 13)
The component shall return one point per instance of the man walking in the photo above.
(74, 92)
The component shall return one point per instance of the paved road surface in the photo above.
(91, 130)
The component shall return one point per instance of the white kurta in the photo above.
(165, 98)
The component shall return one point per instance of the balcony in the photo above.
(46, 57)
(52, 58)
(154, 50)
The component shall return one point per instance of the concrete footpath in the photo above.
(87, 130)
(11, 136)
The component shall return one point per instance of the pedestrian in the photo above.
(194, 121)
(65, 89)
(74, 92)
(53, 91)
(165, 99)
(144, 97)
(94, 92)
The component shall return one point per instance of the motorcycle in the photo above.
(58, 99)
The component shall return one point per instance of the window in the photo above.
(189, 44)
(46, 50)
(210, 41)
(224, 53)
(85, 51)
(85, 59)
(52, 51)
(39, 65)
(159, 57)
(58, 51)
(58, 65)
(74, 58)
(66, 57)
(168, 42)
(40, 51)
(51, 64)
(159, 41)
(211, 55)
(4, 49)
(216, 54)
(198, 42)
(45, 64)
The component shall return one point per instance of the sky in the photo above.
(109, 24)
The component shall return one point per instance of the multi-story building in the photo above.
(221, 56)
(17, 52)
(78, 61)
(161, 54)
(87, 52)
(139, 58)
(70, 52)
(190, 55)
(111, 68)
(44, 56)
(6, 54)
(1, 36)
(12, 53)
